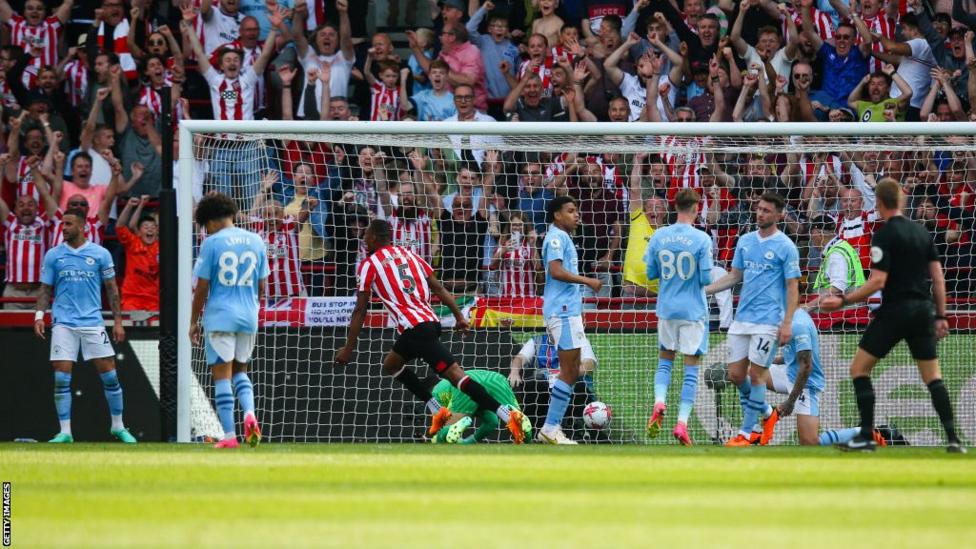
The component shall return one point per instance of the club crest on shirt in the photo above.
(769, 254)
(90, 260)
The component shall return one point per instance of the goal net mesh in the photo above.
(474, 207)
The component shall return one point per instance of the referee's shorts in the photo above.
(424, 341)
(912, 321)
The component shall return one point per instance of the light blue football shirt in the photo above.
(681, 256)
(560, 298)
(76, 277)
(804, 338)
(766, 265)
(234, 261)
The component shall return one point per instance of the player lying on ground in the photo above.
(73, 272)
(681, 256)
(232, 273)
(462, 408)
(404, 282)
(802, 378)
(905, 266)
(562, 308)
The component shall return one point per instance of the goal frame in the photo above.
(188, 128)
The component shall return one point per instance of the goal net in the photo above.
(471, 199)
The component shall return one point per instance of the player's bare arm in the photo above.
(939, 294)
(43, 300)
(731, 279)
(805, 358)
(115, 303)
(447, 299)
(873, 284)
(561, 274)
(792, 300)
(344, 355)
(200, 294)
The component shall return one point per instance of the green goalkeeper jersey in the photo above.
(456, 401)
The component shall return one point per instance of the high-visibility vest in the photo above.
(855, 274)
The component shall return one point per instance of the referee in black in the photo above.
(905, 267)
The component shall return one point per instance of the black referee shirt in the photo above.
(903, 249)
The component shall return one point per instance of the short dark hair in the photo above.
(845, 24)
(888, 193)
(382, 230)
(566, 26)
(77, 212)
(822, 223)
(82, 155)
(112, 58)
(768, 29)
(215, 206)
(775, 199)
(557, 204)
(147, 218)
(884, 75)
(687, 199)
(439, 64)
(615, 22)
(909, 19)
(713, 17)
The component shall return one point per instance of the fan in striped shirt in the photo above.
(35, 29)
(405, 283)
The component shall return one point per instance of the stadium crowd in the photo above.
(81, 90)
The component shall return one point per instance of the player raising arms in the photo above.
(767, 263)
(802, 379)
(404, 282)
(905, 267)
(562, 308)
(681, 256)
(73, 272)
(232, 273)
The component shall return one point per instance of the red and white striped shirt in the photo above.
(93, 229)
(857, 232)
(152, 99)
(683, 166)
(251, 56)
(46, 34)
(384, 103)
(544, 71)
(399, 278)
(883, 25)
(822, 23)
(232, 99)
(517, 272)
(26, 246)
(25, 180)
(75, 81)
(413, 234)
(809, 170)
(285, 279)
(7, 95)
(316, 14)
(120, 46)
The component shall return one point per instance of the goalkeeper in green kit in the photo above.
(462, 408)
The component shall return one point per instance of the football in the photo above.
(597, 415)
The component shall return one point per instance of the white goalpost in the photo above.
(470, 198)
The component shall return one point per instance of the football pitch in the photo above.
(499, 495)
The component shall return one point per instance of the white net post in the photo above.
(454, 192)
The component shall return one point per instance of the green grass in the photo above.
(486, 496)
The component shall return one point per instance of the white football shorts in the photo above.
(67, 341)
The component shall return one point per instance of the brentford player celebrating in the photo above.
(404, 283)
